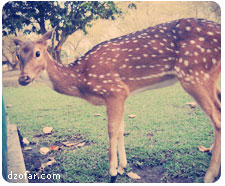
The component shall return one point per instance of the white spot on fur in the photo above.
(188, 28)
(145, 55)
(206, 76)
(210, 33)
(187, 53)
(177, 68)
(187, 79)
(202, 50)
(186, 63)
(196, 53)
(137, 67)
(214, 61)
(198, 29)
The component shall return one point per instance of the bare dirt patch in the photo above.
(149, 174)
(37, 163)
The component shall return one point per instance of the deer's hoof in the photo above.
(113, 179)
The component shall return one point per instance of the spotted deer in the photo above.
(184, 50)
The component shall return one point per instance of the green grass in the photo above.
(165, 132)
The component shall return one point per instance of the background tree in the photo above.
(9, 54)
(67, 17)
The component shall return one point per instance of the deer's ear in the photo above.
(47, 36)
(18, 42)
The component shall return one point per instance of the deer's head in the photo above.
(32, 58)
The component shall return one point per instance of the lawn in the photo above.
(165, 133)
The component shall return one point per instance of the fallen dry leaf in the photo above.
(68, 144)
(139, 163)
(27, 148)
(54, 147)
(203, 149)
(44, 150)
(81, 144)
(96, 115)
(132, 116)
(9, 106)
(25, 141)
(47, 130)
(191, 104)
(133, 175)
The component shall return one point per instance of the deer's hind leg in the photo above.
(208, 95)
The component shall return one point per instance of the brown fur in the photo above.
(186, 50)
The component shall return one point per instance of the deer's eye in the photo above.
(38, 54)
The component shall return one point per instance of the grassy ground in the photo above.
(165, 132)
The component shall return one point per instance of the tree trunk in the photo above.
(56, 53)
(42, 26)
(12, 63)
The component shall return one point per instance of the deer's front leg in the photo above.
(115, 111)
(121, 150)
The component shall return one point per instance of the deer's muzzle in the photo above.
(24, 80)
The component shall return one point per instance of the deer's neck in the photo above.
(62, 78)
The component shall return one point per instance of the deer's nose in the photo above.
(24, 80)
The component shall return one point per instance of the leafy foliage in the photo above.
(67, 17)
